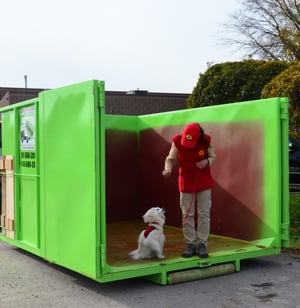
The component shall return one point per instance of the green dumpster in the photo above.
(78, 181)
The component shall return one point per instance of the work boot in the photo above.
(202, 251)
(190, 251)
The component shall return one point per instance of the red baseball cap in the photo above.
(190, 135)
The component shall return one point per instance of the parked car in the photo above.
(294, 161)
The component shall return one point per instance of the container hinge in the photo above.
(285, 227)
(284, 112)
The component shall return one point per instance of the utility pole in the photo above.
(25, 77)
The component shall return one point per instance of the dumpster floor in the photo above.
(122, 238)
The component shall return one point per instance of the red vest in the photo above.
(191, 178)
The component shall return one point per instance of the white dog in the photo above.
(151, 240)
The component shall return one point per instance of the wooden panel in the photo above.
(8, 200)
(122, 238)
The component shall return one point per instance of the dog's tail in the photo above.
(135, 255)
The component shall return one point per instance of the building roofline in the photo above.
(145, 93)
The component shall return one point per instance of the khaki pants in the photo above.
(187, 204)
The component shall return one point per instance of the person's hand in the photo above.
(166, 173)
(202, 163)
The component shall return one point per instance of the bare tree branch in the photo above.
(268, 29)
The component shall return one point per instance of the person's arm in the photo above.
(211, 156)
(170, 161)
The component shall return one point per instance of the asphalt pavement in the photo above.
(28, 281)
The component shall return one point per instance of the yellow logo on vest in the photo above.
(201, 153)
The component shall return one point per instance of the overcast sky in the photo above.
(157, 45)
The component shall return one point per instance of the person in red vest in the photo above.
(194, 152)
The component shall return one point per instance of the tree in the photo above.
(268, 29)
(231, 82)
(287, 84)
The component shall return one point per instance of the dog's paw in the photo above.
(160, 256)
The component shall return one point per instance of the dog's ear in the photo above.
(145, 218)
(148, 216)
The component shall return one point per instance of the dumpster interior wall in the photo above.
(135, 161)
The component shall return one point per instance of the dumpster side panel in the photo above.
(69, 167)
(285, 189)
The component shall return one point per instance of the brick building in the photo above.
(9, 96)
(136, 102)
